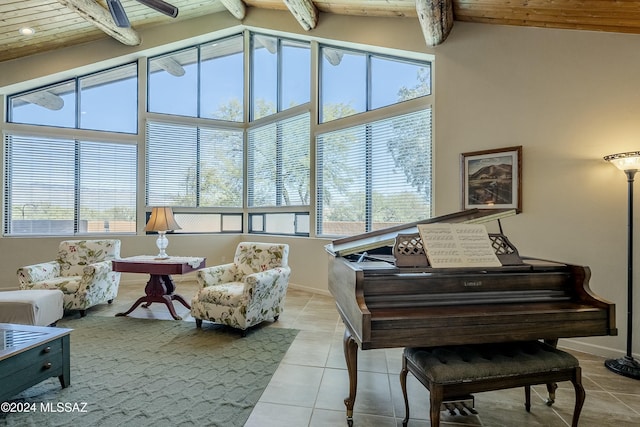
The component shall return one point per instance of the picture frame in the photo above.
(492, 179)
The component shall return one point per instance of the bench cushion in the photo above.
(466, 363)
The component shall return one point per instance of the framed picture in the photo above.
(492, 179)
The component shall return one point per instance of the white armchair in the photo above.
(82, 272)
(247, 291)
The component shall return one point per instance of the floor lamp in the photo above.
(629, 163)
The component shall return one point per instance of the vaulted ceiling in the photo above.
(62, 23)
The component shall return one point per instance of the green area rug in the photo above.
(138, 372)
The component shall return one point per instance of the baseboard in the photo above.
(596, 350)
(324, 292)
(142, 280)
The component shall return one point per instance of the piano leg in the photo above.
(351, 357)
(551, 387)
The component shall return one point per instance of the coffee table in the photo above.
(160, 287)
(31, 354)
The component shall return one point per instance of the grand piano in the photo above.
(389, 296)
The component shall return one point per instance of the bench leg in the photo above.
(580, 394)
(527, 398)
(436, 394)
(403, 385)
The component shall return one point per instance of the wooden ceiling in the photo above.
(57, 25)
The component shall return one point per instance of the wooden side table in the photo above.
(160, 287)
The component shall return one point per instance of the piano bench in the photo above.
(452, 371)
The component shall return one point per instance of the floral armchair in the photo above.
(247, 291)
(82, 271)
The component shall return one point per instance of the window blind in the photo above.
(66, 187)
(192, 166)
(374, 175)
(278, 157)
(107, 186)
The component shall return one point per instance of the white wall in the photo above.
(307, 257)
(568, 97)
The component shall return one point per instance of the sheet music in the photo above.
(458, 245)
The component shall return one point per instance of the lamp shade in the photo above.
(162, 220)
(625, 161)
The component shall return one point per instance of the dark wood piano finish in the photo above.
(384, 306)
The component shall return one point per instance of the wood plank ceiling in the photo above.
(58, 25)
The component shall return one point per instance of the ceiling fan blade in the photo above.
(118, 14)
(161, 6)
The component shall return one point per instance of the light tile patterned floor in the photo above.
(309, 386)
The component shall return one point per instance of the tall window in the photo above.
(67, 187)
(280, 75)
(203, 81)
(278, 195)
(374, 175)
(228, 141)
(105, 101)
(353, 82)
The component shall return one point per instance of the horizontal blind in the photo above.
(66, 187)
(171, 160)
(221, 158)
(108, 186)
(192, 166)
(374, 175)
(279, 163)
(401, 169)
(341, 183)
(39, 185)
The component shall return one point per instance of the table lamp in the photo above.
(627, 366)
(161, 221)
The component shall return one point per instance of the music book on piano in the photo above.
(450, 245)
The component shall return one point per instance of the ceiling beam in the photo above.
(436, 19)
(304, 11)
(44, 99)
(101, 18)
(236, 7)
(171, 66)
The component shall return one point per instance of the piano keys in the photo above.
(389, 299)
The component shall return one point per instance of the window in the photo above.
(67, 187)
(173, 83)
(293, 223)
(228, 140)
(374, 175)
(203, 81)
(105, 101)
(109, 100)
(343, 84)
(193, 166)
(280, 75)
(50, 106)
(208, 223)
(278, 175)
(222, 80)
(279, 163)
(353, 82)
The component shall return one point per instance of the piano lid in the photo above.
(386, 236)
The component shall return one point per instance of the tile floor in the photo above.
(309, 386)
